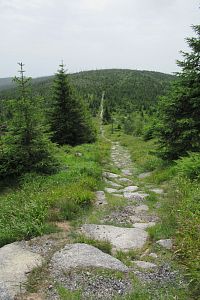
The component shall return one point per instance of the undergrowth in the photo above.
(30, 208)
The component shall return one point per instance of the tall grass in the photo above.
(26, 210)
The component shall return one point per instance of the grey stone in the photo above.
(15, 263)
(144, 225)
(135, 219)
(74, 256)
(120, 238)
(110, 175)
(141, 208)
(124, 179)
(144, 264)
(167, 243)
(131, 188)
(101, 198)
(113, 184)
(144, 175)
(135, 196)
(111, 190)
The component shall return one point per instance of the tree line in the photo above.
(30, 133)
(174, 119)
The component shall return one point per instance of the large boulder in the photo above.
(121, 238)
(15, 263)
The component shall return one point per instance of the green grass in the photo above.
(66, 294)
(127, 257)
(104, 246)
(28, 210)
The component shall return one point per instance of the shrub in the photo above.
(189, 166)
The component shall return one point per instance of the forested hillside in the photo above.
(124, 89)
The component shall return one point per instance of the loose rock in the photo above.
(165, 243)
(110, 175)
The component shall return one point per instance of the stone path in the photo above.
(136, 213)
(82, 266)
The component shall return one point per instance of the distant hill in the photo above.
(5, 83)
(123, 88)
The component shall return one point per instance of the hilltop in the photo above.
(123, 88)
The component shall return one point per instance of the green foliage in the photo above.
(134, 123)
(66, 294)
(27, 209)
(107, 116)
(126, 257)
(25, 144)
(149, 127)
(125, 90)
(178, 117)
(184, 206)
(70, 121)
(189, 166)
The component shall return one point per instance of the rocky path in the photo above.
(80, 266)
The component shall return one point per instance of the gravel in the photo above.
(92, 283)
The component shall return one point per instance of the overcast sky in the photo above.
(94, 34)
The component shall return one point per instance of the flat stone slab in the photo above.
(141, 208)
(110, 175)
(15, 263)
(80, 256)
(124, 179)
(135, 196)
(165, 243)
(131, 188)
(144, 225)
(113, 184)
(121, 238)
(111, 190)
(101, 198)
(144, 264)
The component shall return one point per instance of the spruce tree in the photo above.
(107, 117)
(179, 112)
(26, 144)
(70, 120)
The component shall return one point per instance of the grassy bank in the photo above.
(32, 207)
(180, 208)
